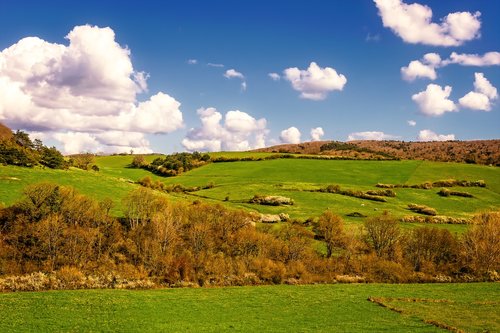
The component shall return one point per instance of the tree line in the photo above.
(18, 149)
(56, 230)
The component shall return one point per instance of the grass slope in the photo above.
(114, 180)
(313, 308)
(240, 181)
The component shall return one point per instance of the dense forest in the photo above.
(56, 238)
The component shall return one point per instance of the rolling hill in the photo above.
(474, 152)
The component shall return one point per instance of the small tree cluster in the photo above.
(18, 149)
(172, 165)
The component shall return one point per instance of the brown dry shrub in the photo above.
(388, 272)
(269, 271)
(69, 277)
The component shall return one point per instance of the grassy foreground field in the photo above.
(313, 308)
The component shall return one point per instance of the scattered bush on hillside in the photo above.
(439, 183)
(158, 185)
(271, 200)
(434, 219)
(422, 209)
(356, 214)
(383, 193)
(335, 189)
(446, 193)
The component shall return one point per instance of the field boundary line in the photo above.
(380, 301)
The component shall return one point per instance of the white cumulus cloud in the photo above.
(290, 135)
(74, 93)
(274, 76)
(315, 82)
(239, 131)
(424, 68)
(370, 135)
(412, 123)
(192, 61)
(434, 100)
(483, 95)
(428, 135)
(232, 73)
(317, 133)
(413, 23)
(464, 59)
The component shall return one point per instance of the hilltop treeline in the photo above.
(481, 151)
(57, 238)
(18, 149)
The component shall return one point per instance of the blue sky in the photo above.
(356, 90)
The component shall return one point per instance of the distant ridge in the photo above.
(478, 152)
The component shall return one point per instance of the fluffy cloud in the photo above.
(428, 135)
(434, 100)
(487, 59)
(482, 96)
(231, 73)
(75, 93)
(317, 133)
(412, 123)
(424, 68)
(192, 61)
(482, 85)
(106, 142)
(370, 135)
(417, 69)
(240, 131)
(315, 83)
(290, 135)
(274, 76)
(413, 23)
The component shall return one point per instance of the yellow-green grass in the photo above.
(311, 308)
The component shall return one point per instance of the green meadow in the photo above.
(237, 182)
(311, 308)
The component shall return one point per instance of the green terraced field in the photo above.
(313, 308)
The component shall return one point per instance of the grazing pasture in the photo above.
(313, 308)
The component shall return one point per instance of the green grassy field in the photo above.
(313, 308)
(114, 180)
(237, 182)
